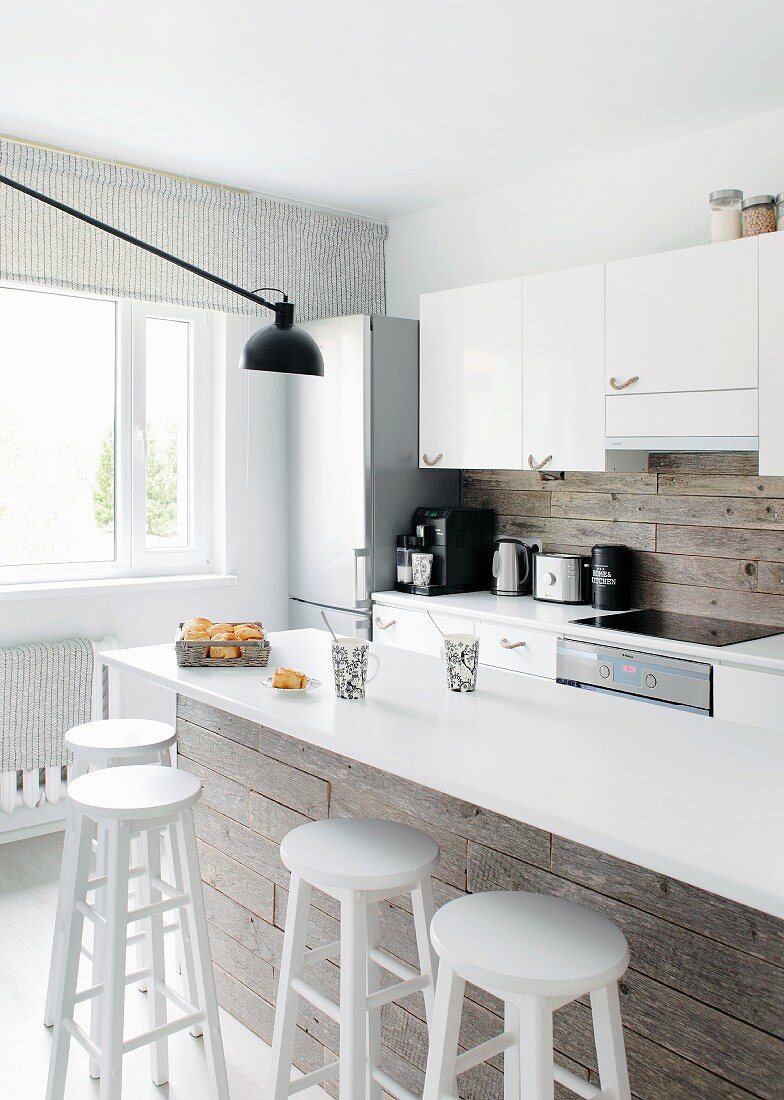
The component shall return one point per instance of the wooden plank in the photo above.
(242, 844)
(705, 572)
(771, 577)
(581, 532)
(732, 982)
(572, 481)
(265, 775)
(224, 795)
(718, 485)
(244, 965)
(237, 881)
(736, 925)
(705, 462)
(720, 543)
(755, 607)
(254, 934)
(271, 819)
(507, 502)
(255, 1013)
(719, 512)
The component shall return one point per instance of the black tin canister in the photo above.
(611, 578)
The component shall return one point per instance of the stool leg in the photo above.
(536, 1049)
(512, 1087)
(444, 1034)
(353, 994)
(74, 889)
(55, 965)
(159, 1051)
(182, 937)
(424, 908)
(139, 897)
(373, 1089)
(291, 966)
(113, 1000)
(610, 1048)
(205, 978)
(99, 901)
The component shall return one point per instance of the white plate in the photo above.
(311, 685)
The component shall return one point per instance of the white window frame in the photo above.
(132, 557)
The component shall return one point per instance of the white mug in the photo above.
(422, 567)
(460, 654)
(350, 657)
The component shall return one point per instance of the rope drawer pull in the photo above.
(506, 644)
(624, 385)
(384, 626)
(539, 465)
(432, 461)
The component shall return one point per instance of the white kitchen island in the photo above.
(686, 796)
(669, 823)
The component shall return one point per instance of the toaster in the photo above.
(562, 578)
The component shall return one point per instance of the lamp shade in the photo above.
(283, 349)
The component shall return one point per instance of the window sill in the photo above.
(115, 586)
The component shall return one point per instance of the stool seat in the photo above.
(359, 854)
(125, 737)
(529, 943)
(134, 793)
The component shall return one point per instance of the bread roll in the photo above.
(288, 679)
(206, 623)
(225, 652)
(219, 628)
(194, 634)
(248, 632)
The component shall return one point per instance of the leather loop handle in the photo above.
(618, 386)
(432, 461)
(539, 465)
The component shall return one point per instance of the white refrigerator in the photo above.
(353, 473)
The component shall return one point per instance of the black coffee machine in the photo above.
(461, 542)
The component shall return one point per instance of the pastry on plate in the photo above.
(225, 652)
(288, 679)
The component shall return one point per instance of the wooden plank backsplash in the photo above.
(706, 530)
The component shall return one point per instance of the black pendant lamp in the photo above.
(280, 348)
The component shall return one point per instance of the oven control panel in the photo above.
(672, 681)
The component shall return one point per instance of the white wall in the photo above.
(646, 201)
(255, 545)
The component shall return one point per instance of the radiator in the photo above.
(36, 797)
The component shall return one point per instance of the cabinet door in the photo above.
(471, 377)
(771, 354)
(407, 629)
(685, 320)
(749, 697)
(563, 369)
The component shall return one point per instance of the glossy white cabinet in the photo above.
(413, 629)
(471, 377)
(750, 697)
(563, 369)
(771, 354)
(683, 321)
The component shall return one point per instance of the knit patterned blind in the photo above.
(328, 264)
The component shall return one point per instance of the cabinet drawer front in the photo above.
(690, 415)
(500, 646)
(413, 630)
(747, 696)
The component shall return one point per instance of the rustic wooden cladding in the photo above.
(706, 529)
(703, 1002)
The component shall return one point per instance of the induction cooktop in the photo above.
(682, 628)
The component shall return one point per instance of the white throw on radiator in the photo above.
(32, 796)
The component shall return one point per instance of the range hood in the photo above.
(708, 420)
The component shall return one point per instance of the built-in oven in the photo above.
(632, 674)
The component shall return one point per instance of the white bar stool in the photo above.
(118, 801)
(117, 742)
(359, 862)
(537, 954)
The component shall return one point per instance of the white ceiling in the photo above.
(381, 106)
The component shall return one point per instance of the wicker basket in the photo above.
(193, 654)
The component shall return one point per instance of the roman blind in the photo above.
(328, 264)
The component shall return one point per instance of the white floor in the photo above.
(29, 872)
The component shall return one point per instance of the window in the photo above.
(104, 437)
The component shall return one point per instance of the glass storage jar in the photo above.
(726, 219)
(406, 546)
(759, 215)
(780, 210)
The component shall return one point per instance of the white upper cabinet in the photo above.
(683, 321)
(471, 377)
(563, 369)
(771, 354)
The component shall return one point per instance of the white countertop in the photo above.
(557, 618)
(691, 797)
